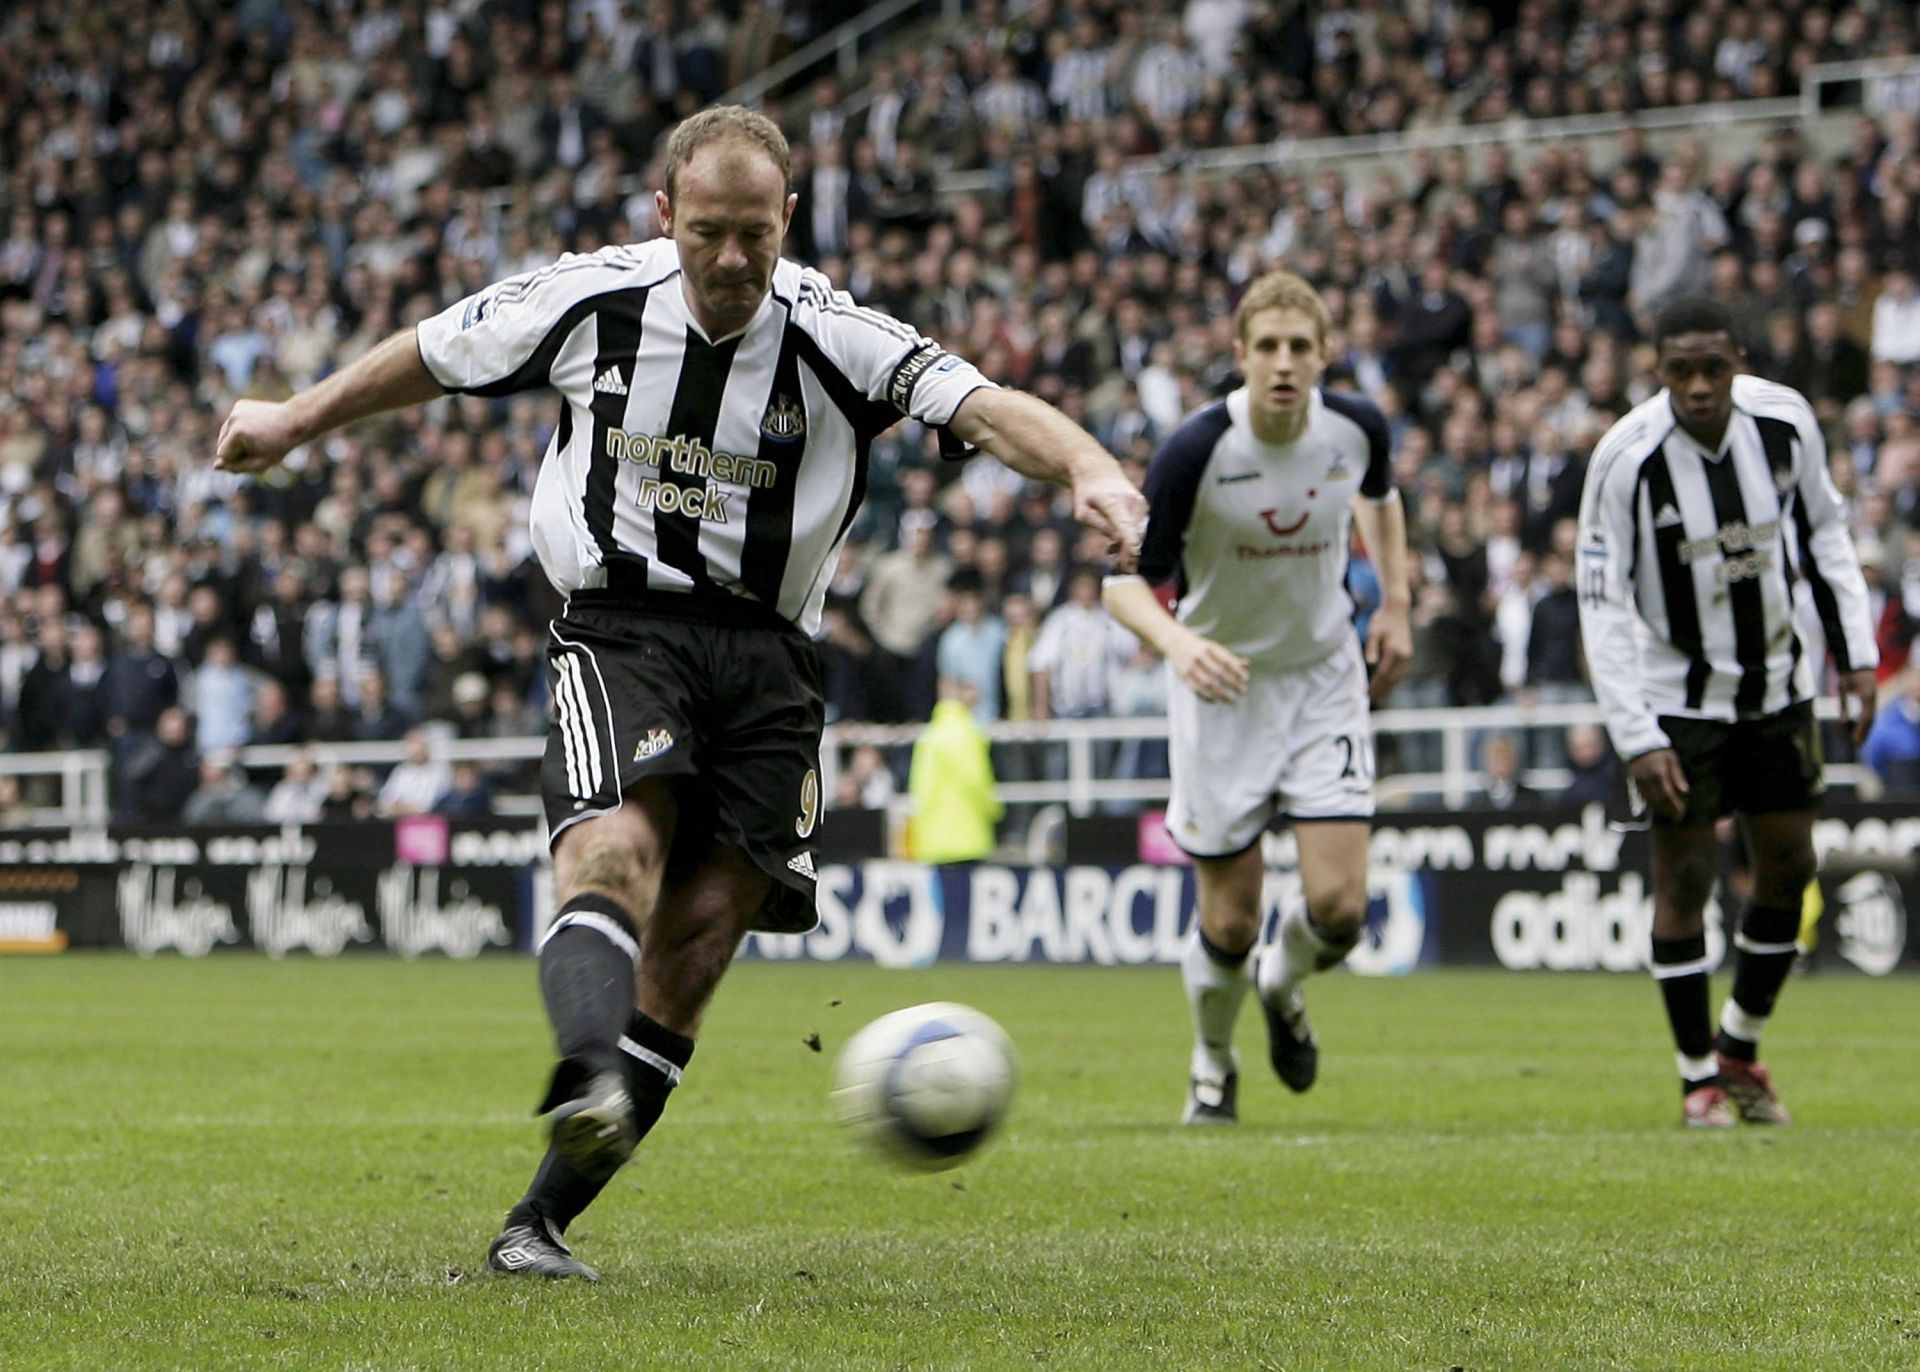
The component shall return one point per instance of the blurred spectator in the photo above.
(1513, 623)
(1043, 581)
(1896, 318)
(469, 712)
(415, 786)
(223, 698)
(338, 633)
(329, 721)
(971, 648)
(1829, 368)
(276, 634)
(349, 795)
(86, 675)
(1895, 627)
(899, 607)
(13, 808)
(53, 710)
(397, 638)
(1501, 786)
(566, 123)
(1893, 748)
(17, 656)
(376, 721)
(162, 769)
(274, 721)
(1556, 673)
(866, 782)
(955, 800)
(1079, 651)
(1140, 692)
(140, 682)
(297, 797)
(224, 795)
(468, 794)
(1432, 324)
(1596, 771)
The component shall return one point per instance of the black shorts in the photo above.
(1755, 766)
(729, 709)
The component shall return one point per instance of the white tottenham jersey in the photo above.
(730, 466)
(1255, 534)
(1689, 561)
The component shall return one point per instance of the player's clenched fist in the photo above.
(256, 435)
(1117, 509)
(1210, 671)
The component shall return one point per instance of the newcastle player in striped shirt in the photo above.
(710, 456)
(1705, 509)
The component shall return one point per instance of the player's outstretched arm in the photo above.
(1036, 440)
(1209, 670)
(259, 433)
(1383, 533)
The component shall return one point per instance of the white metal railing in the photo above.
(1300, 154)
(1889, 84)
(1082, 790)
(1458, 729)
(840, 45)
(82, 774)
(1886, 85)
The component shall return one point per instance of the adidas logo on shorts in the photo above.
(803, 865)
(609, 382)
(655, 743)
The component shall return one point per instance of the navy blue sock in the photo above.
(1336, 946)
(1219, 954)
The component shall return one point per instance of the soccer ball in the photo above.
(926, 1085)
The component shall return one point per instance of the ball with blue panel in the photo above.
(926, 1085)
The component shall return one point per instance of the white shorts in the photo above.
(1297, 744)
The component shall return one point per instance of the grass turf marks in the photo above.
(243, 1163)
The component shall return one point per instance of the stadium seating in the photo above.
(201, 203)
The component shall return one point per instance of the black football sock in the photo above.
(558, 1193)
(652, 1057)
(1680, 966)
(1767, 947)
(586, 979)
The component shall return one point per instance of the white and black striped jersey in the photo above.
(730, 466)
(1689, 562)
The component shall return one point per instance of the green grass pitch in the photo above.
(249, 1164)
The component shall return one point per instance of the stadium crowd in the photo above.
(202, 201)
(1161, 76)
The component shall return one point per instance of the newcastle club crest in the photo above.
(785, 419)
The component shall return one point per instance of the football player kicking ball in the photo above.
(1252, 502)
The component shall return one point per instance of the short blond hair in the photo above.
(1281, 291)
(727, 123)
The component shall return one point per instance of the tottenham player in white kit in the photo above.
(1252, 501)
